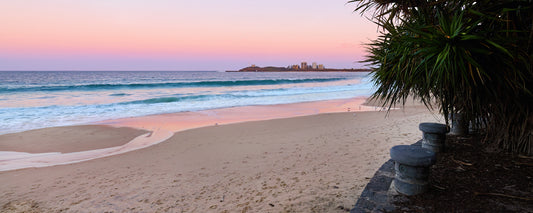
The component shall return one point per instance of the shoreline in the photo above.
(181, 121)
(318, 162)
(345, 70)
(150, 130)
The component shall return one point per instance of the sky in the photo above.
(182, 35)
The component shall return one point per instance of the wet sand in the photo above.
(68, 139)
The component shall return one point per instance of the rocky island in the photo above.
(303, 67)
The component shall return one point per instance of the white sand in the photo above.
(303, 164)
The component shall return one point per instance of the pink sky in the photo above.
(179, 34)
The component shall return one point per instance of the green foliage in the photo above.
(473, 57)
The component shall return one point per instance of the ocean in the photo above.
(32, 100)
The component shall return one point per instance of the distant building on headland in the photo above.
(303, 67)
(295, 67)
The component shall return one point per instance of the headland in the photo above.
(303, 67)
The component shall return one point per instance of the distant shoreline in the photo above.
(324, 70)
(297, 68)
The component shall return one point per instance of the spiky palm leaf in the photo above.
(474, 57)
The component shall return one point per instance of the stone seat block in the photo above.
(412, 155)
(411, 168)
(434, 128)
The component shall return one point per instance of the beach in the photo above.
(314, 162)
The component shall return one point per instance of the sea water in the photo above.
(31, 100)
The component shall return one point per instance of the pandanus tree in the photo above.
(467, 56)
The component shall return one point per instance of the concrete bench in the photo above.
(411, 165)
(433, 136)
(459, 126)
